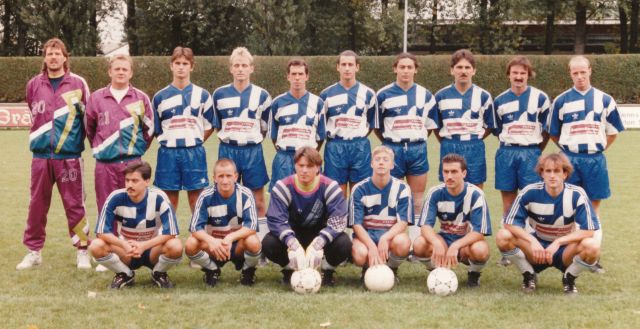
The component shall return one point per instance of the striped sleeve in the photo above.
(356, 209)
(429, 209)
(167, 214)
(200, 214)
(479, 214)
(337, 216)
(405, 204)
(249, 211)
(107, 216)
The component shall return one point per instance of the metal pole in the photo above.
(406, 14)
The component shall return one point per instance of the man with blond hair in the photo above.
(184, 120)
(241, 118)
(56, 98)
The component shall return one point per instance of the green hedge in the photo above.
(618, 75)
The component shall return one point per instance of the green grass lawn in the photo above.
(55, 295)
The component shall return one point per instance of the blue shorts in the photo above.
(182, 168)
(410, 159)
(473, 153)
(144, 260)
(347, 161)
(516, 167)
(238, 261)
(557, 258)
(282, 166)
(590, 172)
(249, 161)
(450, 238)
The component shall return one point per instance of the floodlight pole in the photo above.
(406, 11)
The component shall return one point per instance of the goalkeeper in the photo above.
(307, 211)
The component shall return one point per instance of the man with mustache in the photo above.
(56, 98)
(521, 116)
(465, 117)
(147, 233)
(464, 222)
(584, 122)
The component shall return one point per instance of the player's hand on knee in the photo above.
(297, 257)
(550, 251)
(438, 255)
(315, 252)
(217, 249)
(538, 252)
(451, 257)
(373, 257)
(383, 250)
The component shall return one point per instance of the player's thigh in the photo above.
(168, 169)
(422, 247)
(250, 244)
(506, 176)
(417, 161)
(477, 251)
(359, 252)
(252, 167)
(400, 244)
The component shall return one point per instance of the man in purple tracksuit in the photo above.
(56, 98)
(119, 125)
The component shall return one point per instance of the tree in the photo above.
(624, 39)
(633, 32)
(581, 27)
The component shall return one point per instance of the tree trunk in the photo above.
(633, 35)
(434, 23)
(624, 39)
(6, 23)
(581, 27)
(484, 19)
(93, 24)
(549, 27)
(353, 28)
(130, 26)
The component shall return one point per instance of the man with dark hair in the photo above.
(307, 210)
(296, 119)
(563, 223)
(183, 120)
(148, 231)
(465, 117)
(56, 98)
(464, 222)
(351, 115)
(223, 227)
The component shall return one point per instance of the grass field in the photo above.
(55, 295)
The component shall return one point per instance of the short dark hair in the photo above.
(311, 154)
(557, 158)
(461, 54)
(348, 53)
(406, 55)
(524, 62)
(297, 61)
(141, 167)
(453, 158)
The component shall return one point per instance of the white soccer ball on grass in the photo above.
(379, 278)
(442, 281)
(306, 281)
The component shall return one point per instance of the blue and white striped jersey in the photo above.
(520, 120)
(550, 217)
(377, 210)
(406, 116)
(138, 221)
(294, 123)
(219, 216)
(460, 214)
(182, 116)
(241, 117)
(583, 120)
(350, 113)
(464, 117)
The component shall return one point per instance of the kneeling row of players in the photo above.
(308, 214)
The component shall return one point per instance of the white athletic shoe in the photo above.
(83, 259)
(33, 258)
(194, 265)
(101, 268)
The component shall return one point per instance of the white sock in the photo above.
(476, 267)
(427, 262)
(517, 257)
(251, 259)
(578, 266)
(203, 259)
(113, 263)
(395, 261)
(165, 263)
(597, 235)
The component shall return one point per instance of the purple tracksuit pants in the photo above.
(109, 177)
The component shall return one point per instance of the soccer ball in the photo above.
(379, 278)
(442, 281)
(307, 281)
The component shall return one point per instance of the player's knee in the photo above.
(590, 248)
(191, 246)
(479, 251)
(98, 248)
(173, 248)
(421, 248)
(359, 253)
(503, 239)
(252, 243)
(401, 244)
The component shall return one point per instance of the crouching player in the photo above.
(552, 208)
(380, 209)
(307, 210)
(464, 221)
(223, 227)
(147, 235)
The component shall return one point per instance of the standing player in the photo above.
(224, 226)
(380, 209)
(184, 117)
(521, 114)
(552, 208)
(584, 122)
(351, 114)
(147, 233)
(465, 117)
(464, 222)
(407, 117)
(307, 210)
(296, 119)
(242, 115)
(56, 98)
(119, 127)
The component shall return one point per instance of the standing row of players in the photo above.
(119, 122)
